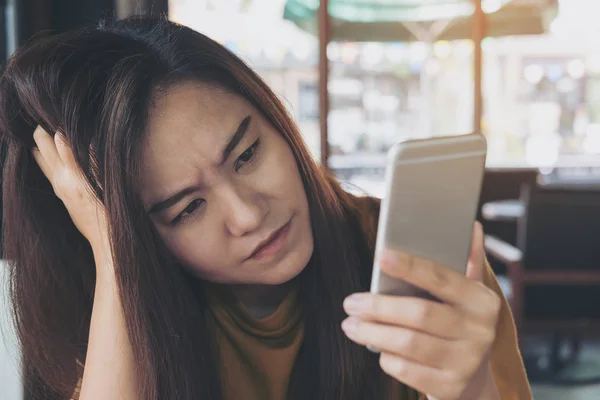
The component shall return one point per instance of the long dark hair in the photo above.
(96, 85)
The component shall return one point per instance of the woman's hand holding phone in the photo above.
(438, 348)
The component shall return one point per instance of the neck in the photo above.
(261, 300)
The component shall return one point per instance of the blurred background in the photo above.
(360, 75)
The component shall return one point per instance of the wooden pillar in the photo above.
(324, 34)
(478, 34)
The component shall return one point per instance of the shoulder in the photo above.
(506, 360)
(368, 203)
(366, 209)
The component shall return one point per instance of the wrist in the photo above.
(103, 259)
(483, 385)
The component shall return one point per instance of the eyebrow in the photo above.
(232, 143)
(235, 139)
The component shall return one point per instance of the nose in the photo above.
(243, 208)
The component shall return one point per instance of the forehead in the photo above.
(195, 112)
(188, 127)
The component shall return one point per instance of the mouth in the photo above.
(272, 244)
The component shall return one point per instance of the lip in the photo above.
(272, 244)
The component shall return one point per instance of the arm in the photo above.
(109, 371)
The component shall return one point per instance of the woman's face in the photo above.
(222, 188)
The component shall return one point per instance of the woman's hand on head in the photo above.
(441, 349)
(56, 160)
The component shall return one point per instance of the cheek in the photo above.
(196, 251)
(282, 171)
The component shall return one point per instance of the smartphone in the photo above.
(431, 197)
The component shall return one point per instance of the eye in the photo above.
(247, 156)
(188, 212)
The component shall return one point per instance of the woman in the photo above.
(171, 238)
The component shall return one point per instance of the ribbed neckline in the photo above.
(225, 307)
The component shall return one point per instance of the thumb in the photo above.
(476, 265)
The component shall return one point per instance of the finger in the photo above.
(64, 150)
(410, 344)
(476, 266)
(39, 159)
(427, 316)
(442, 282)
(47, 147)
(434, 382)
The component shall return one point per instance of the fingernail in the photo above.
(356, 303)
(394, 260)
(350, 325)
(392, 256)
(38, 131)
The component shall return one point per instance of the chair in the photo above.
(503, 184)
(554, 271)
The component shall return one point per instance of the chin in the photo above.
(289, 268)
